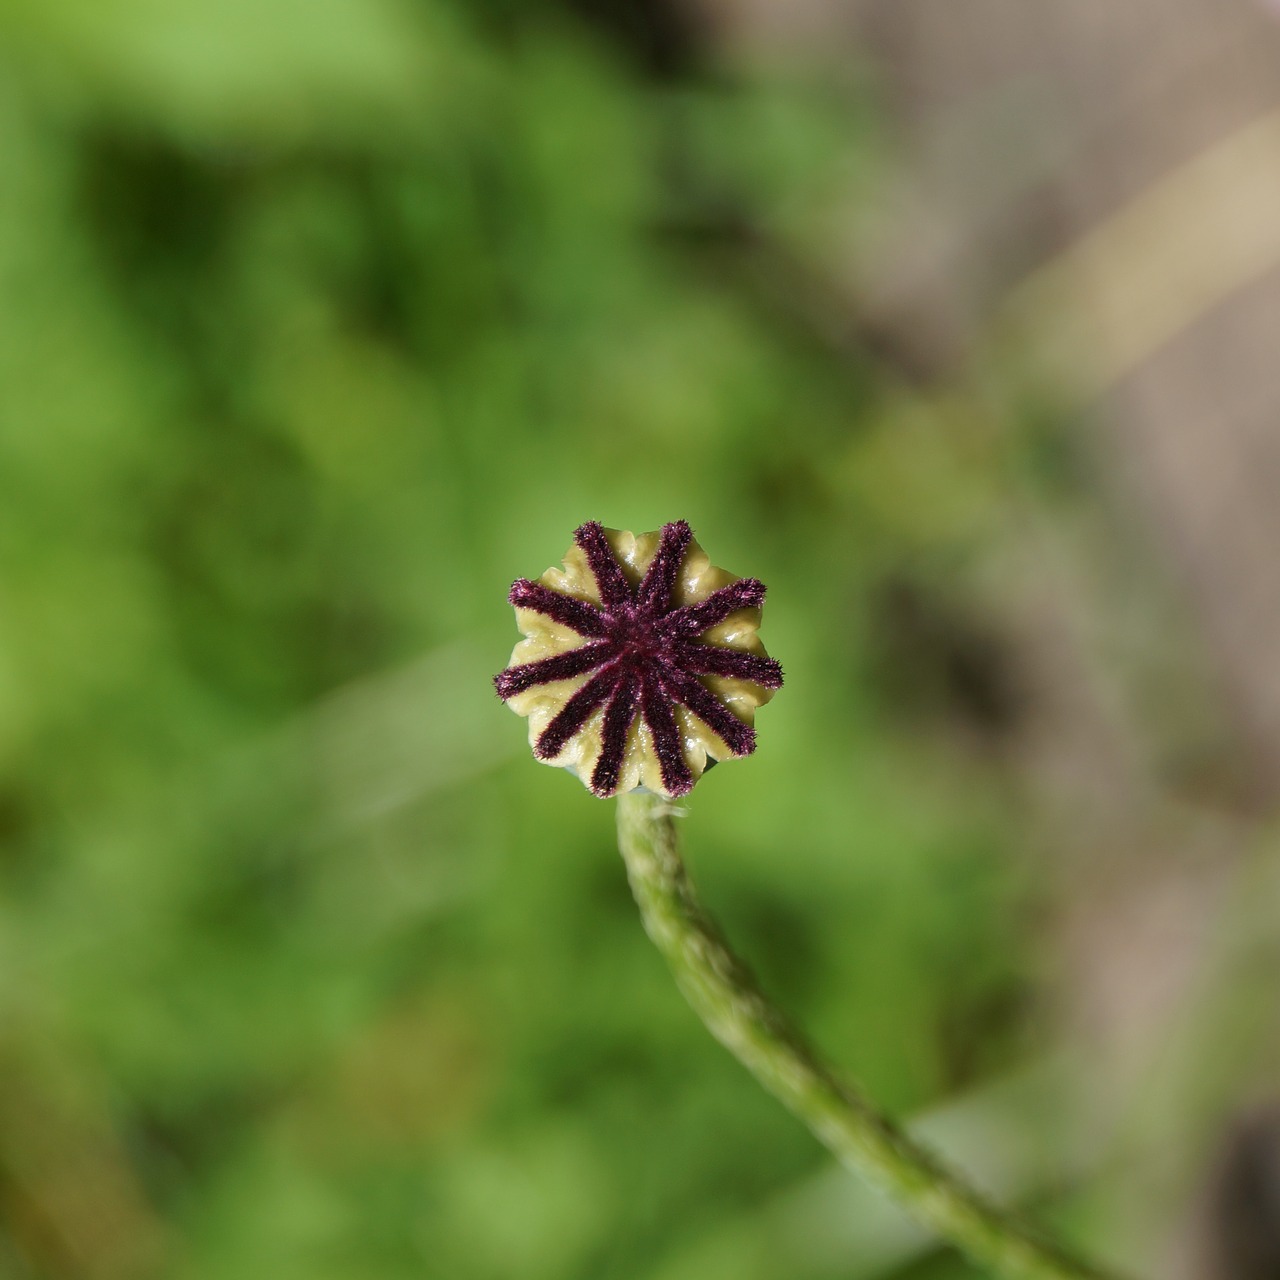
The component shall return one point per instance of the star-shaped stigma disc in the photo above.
(641, 663)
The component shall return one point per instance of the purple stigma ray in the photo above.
(738, 736)
(656, 709)
(693, 619)
(614, 588)
(577, 615)
(560, 666)
(715, 660)
(574, 714)
(654, 591)
(613, 735)
(641, 656)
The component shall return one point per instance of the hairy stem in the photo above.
(727, 998)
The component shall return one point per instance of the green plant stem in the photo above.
(727, 998)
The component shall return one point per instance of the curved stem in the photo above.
(726, 997)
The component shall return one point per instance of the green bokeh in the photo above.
(319, 323)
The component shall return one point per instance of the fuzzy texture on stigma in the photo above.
(640, 661)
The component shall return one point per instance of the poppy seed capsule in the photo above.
(640, 662)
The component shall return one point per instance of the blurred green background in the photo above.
(319, 324)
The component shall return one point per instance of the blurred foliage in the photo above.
(319, 323)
